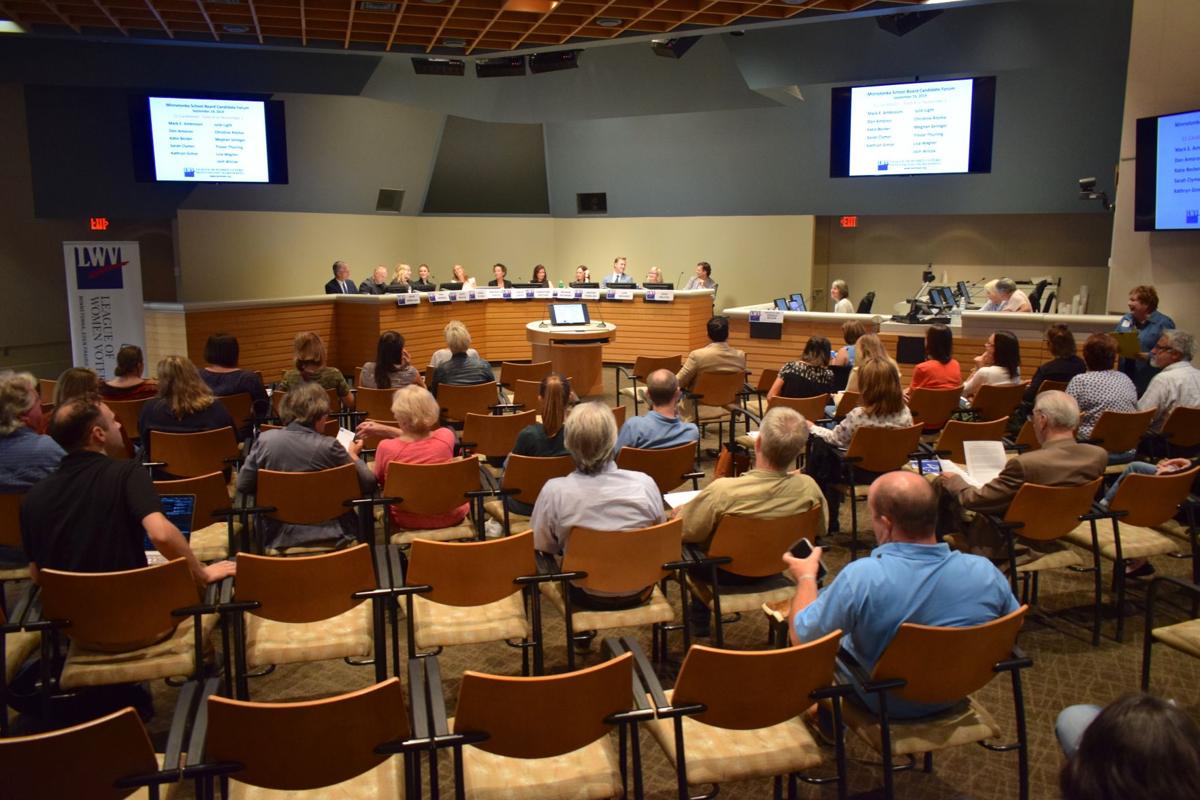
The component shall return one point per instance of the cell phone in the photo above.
(926, 466)
(803, 549)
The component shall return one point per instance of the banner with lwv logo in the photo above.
(104, 295)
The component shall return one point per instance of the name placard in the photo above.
(620, 294)
(589, 294)
(460, 296)
(517, 294)
(660, 296)
(773, 316)
(564, 294)
(408, 299)
(543, 294)
(439, 297)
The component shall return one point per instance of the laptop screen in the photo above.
(781, 303)
(569, 314)
(179, 509)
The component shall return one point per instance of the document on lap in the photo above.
(677, 499)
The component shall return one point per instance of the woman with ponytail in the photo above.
(545, 438)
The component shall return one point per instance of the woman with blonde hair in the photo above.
(869, 347)
(419, 441)
(75, 382)
(402, 274)
(460, 276)
(184, 404)
(310, 368)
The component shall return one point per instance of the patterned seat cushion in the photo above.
(962, 725)
(172, 657)
(589, 773)
(718, 755)
(735, 599)
(211, 543)
(495, 510)
(656, 609)
(1183, 636)
(271, 642)
(438, 624)
(14, 574)
(463, 530)
(1136, 542)
(1055, 559)
(17, 647)
(386, 780)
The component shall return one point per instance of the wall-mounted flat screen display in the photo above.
(208, 139)
(926, 128)
(1167, 189)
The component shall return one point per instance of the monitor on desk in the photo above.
(781, 303)
(797, 303)
(619, 285)
(451, 286)
(569, 314)
(941, 297)
(585, 285)
(658, 286)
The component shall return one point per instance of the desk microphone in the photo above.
(544, 322)
(679, 280)
(600, 308)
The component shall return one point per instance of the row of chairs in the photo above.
(372, 740)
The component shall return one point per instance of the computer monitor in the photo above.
(585, 285)
(798, 302)
(781, 303)
(963, 292)
(569, 314)
(658, 286)
(941, 297)
(452, 286)
(619, 285)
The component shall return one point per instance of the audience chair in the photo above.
(847, 403)
(619, 415)
(668, 466)
(511, 372)
(331, 428)
(568, 752)
(125, 627)
(524, 477)
(190, 455)
(432, 489)
(102, 759)
(10, 536)
(713, 735)
(492, 437)
(1120, 432)
(925, 664)
(749, 547)
(457, 400)
(811, 408)
(1181, 431)
(478, 592)
(642, 367)
(373, 403)
(1052, 386)
(525, 394)
(766, 379)
(241, 408)
(217, 529)
(1182, 636)
(1026, 438)
(1046, 514)
(619, 562)
(306, 609)
(933, 407)
(128, 412)
(949, 443)
(994, 400)
(309, 498)
(874, 450)
(363, 743)
(1142, 502)
(715, 398)
(16, 645)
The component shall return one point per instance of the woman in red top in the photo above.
(419, 441)
(939, 370)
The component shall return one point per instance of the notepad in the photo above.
(1129, 345)
(677, 499)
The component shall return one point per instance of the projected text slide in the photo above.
(910, 129)
(209, 140)
(1177, 204)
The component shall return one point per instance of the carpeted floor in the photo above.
(1066, 670)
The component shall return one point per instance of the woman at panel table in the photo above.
(999, 363)
(539, 276)
(1148, 322)
(840, 293)
(402, 278)
(939, 370)
(654, 275)
(425, 281)
(460, 276)
(582, 275)
(703, 278)
(808, 376)
(500, 276)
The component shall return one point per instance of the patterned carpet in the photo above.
(1067, 670)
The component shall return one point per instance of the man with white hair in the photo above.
(1003, 295)
(462, 368)
(1060, 461)
(596, 495)
(1178, 384)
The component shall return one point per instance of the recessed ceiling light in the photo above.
(454, 42)
(235, 28)
(608, 22)
(8, 26)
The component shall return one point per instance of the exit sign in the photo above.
(849, 221)
(99, 223)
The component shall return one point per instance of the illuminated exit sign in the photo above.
(850, 221)
(99, 223)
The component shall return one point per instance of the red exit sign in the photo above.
(849, 221)
(99, 223)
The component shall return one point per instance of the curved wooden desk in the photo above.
(575, 351)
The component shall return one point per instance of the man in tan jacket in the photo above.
(717, 356)
(1061, 461)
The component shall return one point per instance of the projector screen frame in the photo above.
(142, 141)
(1145, 184)
(982, 132)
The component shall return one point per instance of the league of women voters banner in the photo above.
(104, 294)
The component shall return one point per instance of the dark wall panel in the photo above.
(489, 168)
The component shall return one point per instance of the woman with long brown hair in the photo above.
(184, 404)
(310, 366)
(544, 438)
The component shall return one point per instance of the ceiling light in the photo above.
(454, 42)
(530, 6)
(8, 26)
(608, 22)
(228, 28)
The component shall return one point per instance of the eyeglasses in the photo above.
(1161, 348)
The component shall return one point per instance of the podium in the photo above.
(574, 351)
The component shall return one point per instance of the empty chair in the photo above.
(189, 455)
(1181, 636)
(456, 400)
(240, 407)
(933, 407)
(1181, 430)
(811, 408)
(16, 646)
(511, 372)
(847, 403)
(525, 394)
(873, 450)
(307, 512)
(524, 477)
(492, 436)
(1120, 432)
(714, 397)
(766, 379)
(1052, 386)
(668, 466)
(926, 664)
(373, 403)
(995, 400)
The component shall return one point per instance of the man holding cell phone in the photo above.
(909, 577)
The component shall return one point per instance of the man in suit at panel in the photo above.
(717, 356)
(618, 274)
(1061, 461)
(341, 283)
(376, 284)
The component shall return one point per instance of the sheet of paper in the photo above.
(677, 499)
(1128, 344)
(950, 468)
(345, 436)
(985, 460)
